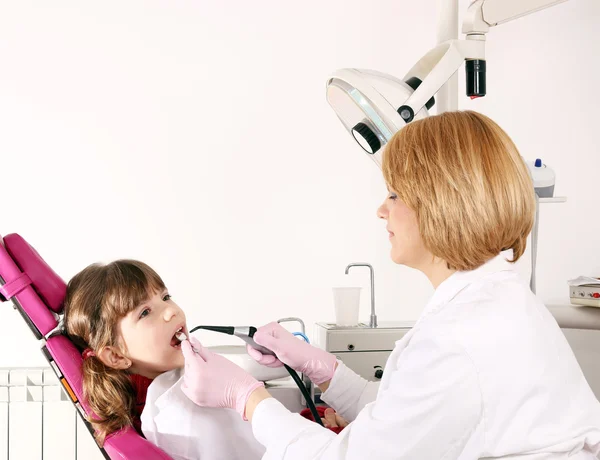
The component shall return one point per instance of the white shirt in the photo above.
(485, 373)
(186, 431)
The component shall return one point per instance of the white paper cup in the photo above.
(346, 301)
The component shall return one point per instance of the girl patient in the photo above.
(123, 317)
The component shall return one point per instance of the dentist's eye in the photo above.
(145, 313)
(167, 297)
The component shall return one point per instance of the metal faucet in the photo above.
(373, 322)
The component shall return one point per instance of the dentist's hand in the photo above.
(317, 364)
(211, 380)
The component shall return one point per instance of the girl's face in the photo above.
(148, 334)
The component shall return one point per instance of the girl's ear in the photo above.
(111, 357)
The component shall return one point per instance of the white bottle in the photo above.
(543, 178)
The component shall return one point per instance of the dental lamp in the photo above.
(373, 106)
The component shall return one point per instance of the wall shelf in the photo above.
(554, 199)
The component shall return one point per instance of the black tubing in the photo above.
(304, 391)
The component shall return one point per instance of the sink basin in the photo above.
(237, 354)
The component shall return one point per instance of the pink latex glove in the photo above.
(211, 380)
(317, 364)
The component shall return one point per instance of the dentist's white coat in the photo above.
(485, 373)
(186, 431)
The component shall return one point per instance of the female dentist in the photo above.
(484, 373)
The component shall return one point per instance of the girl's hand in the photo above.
(333, 419)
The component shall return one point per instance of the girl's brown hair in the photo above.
(97, 298)
(468, 185)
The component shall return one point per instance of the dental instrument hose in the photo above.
(247, 335)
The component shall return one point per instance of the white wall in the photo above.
(543, 73)
(196, 136)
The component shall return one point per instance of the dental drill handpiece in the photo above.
(246, 333)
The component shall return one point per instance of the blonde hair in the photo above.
(97, 298)
(468, 185)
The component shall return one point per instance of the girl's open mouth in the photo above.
(175, 342)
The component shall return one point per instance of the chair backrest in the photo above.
(38, 294)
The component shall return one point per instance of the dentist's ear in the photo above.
(111, 357)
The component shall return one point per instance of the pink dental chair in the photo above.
(37, 292)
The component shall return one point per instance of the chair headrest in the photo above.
(47, 284)
(39, 292)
